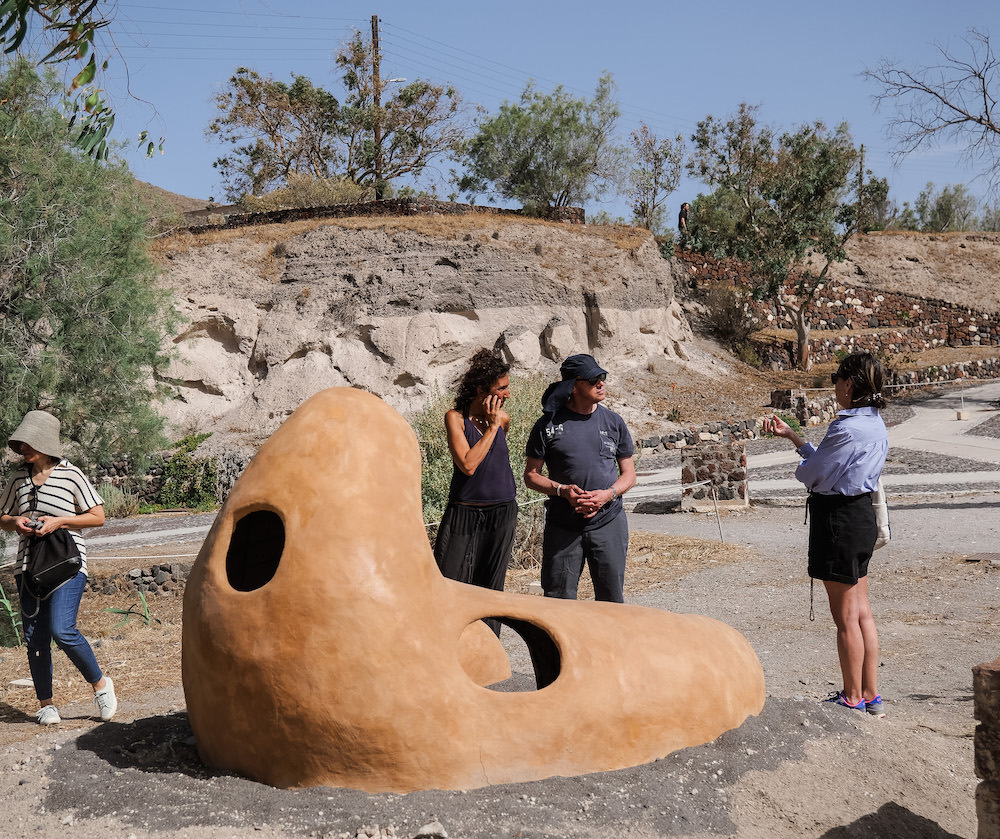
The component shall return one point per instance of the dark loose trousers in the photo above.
(603, 549)
(474, 544)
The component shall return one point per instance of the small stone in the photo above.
(432, 830)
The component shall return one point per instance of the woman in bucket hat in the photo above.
(46, 493)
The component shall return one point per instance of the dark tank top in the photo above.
(493, 480)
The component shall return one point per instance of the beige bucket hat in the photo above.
(40, 430)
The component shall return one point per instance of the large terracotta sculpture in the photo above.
(322, 645)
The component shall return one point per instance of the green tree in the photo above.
(81, 321)
(275, 130)
(952, 209)
(416, 124)
(784, 204)
(548, 150)
(990, 219)
(655, 174)
(68, 29)
(953, 100)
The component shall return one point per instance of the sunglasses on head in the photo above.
(595, 379)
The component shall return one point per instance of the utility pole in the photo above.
(378, 109)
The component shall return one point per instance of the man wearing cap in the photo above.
(587, 450)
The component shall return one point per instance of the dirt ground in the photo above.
(800, 769)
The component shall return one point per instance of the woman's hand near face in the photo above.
(492, 409)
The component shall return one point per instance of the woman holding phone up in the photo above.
(841, 474)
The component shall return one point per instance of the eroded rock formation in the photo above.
(397, 307)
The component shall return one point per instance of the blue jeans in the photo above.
(603, 549)
(56, 621)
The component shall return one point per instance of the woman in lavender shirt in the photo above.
(841, 474)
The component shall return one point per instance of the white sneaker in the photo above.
(107, 702)
(47, 715)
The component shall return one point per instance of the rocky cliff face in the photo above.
(397, 307)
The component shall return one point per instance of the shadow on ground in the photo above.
(891, 821)
(108, 774)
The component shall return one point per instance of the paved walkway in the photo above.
(934, 430)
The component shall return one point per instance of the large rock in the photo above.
(398, 309)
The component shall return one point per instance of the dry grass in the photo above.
(444, 227)
(655, 561)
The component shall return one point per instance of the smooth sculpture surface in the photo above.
(321, 644)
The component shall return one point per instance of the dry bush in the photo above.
(307, 191)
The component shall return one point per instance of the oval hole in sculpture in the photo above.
(255, 550)
(541, 651)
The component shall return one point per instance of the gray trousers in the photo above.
(604, 549)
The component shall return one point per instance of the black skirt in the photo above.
(842, 533)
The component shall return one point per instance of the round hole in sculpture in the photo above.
(255, 550)
(492, 664)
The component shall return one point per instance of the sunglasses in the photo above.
(598, 378)
(835, 376)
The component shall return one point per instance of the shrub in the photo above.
(118, 502)
(727, 310)
(306, 191)
(189, 481)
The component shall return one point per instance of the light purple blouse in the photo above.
(849, 459)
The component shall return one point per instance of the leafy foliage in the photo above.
(276, 130)
(656, 173)
(419, 121)
(10, 619)
(189, 481)
(548, 150)
(782, 203)
(81, 321)
(69, 28)
(951, 209)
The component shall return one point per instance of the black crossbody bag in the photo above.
(53, 560)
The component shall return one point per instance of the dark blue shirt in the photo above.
(493, 480)
(581, 449)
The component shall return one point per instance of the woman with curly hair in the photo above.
(476, 534)
(841, 474)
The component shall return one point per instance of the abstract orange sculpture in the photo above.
(322, 645)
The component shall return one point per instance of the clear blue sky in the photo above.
(673, 64)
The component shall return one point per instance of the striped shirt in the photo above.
(66, 492)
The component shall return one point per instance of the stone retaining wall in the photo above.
(164, 579)
(914, 324)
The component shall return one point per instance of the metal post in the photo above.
(376, 82)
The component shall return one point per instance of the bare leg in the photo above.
(857, 640)
(869, 670)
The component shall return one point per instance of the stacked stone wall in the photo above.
(907, 323)
(714, 474)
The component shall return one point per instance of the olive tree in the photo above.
(655, 174)
(547, 150)
(783, 203)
